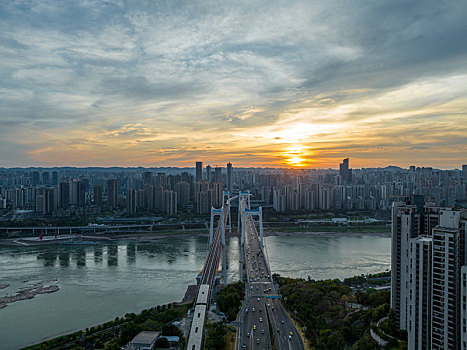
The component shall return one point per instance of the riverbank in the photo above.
(150, 236)
(328, 234)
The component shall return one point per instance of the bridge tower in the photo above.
(259, 213)
(243, 200)
(219, 212)
(226, 200)
(241, 197)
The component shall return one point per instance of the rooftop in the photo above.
(145, 337)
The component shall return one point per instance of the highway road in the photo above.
(262, 312)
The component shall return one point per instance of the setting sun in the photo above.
(295, 157)
(296, 161)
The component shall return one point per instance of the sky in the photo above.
(257, 83)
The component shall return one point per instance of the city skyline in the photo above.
(277, 84)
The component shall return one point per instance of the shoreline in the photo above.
(328, 234)
(142, 236)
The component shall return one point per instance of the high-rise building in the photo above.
(427, 270)
(406, 224)
(112, 193)
(182, 189)
(199, 171)
(464, 171)
(98, 191)
(208, 173)
(147, 178)
(54, 178)
(35, 178)
(447, 262)
(64, 195)
(463, 320)
(131, 202)
(46, 178)
(170, 202)
(81, 194)
(74, 191)
(344, 171)
(218, 174)
(229, 177)
(419, 320)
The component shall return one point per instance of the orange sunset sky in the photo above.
(256, 83)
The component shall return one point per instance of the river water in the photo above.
(98, 283)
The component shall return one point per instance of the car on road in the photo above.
(253, 310)
(254, 327)
(246, 311)
(257, 340)
(290, 337)
(257, 288)
(244, 347)
(278, 330)
(282, 321)
(248, 335)
(262, 331)
(260, 319)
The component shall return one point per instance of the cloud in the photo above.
(232, 81)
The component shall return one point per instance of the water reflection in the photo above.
(80, 256)
(97, 254)
(64, 258)
(49, 257)
(131, 253)
(112, 255)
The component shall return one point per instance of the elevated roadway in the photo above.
(264, 320)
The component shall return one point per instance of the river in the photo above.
(98, 283)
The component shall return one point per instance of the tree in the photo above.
(365, 343)
(162, 343)
(170, 329)
(215, 337)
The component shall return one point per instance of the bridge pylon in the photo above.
(226, 201)
(259, 213)
(219, 212)
(241, 197)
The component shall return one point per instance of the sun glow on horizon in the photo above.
(295, 157)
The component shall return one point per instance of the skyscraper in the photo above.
(199, 171)
(406, 224)
(112, 193)
(208, 173)
(98, 195)
(344, 171)
(131, 202)
(54, 178)
(448, 246)
(64, 195)
(46, 178)
(428, 274)
(218, 174)
(419, 319)
(229, 177)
